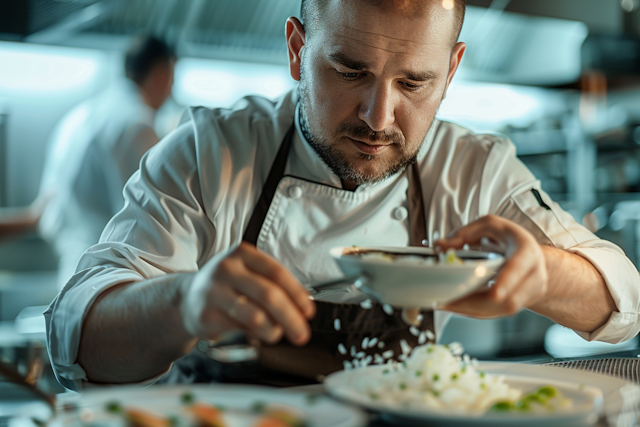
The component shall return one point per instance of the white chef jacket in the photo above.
(93, 151)
(195, 191)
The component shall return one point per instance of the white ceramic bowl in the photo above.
(407, 282)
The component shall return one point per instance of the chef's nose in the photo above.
(377, 109)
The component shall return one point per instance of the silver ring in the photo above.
(233, 310)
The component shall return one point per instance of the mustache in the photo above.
(365, 133)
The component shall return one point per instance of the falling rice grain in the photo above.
(366, 304)
(414, 331)
(387, 354)
(422, 338)
(352, 351)
(342, 349)
(430, 335)
(360, 354)
(336, 324)
(381, 344)
(406, 348)
(347, 365)
(387, 309)
(372, 342)
(377, 359)
(366, 361)
(365, 343)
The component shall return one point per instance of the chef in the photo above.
(92, 153)
(232, 214)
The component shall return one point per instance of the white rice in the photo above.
(336, 324)
(387, 354)
(434, 378)
(422, 338)
(366, 304)
(430, 335)
(387, 309)
(360, 354)
(342, 349)
(381, 344)
(347, 365)
(414, 331)
(365, 343)
(406, 348)
(372, 342)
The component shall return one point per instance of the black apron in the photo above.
(283, 364)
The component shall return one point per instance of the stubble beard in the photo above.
(336, 160)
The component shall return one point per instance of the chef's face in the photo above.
(371, 81)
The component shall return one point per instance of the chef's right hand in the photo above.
(249, 291)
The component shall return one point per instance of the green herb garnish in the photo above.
(258, 407)
(187, 398)
(113, 408)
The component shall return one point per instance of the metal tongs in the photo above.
(345, 284)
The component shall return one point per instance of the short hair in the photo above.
(145, 52)
(310, 11)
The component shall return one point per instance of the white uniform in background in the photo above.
(93, 151)
(196, 190)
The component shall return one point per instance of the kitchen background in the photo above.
(561, 78)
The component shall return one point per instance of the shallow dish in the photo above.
(587, 390)
(408, 281)
(238, 402)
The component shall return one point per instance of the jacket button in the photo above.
(294, 192)
(400, 213)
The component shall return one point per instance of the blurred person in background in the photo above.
(92, 152)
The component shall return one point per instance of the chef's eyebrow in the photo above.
(343, 59)
(356, 65)
(422, 76)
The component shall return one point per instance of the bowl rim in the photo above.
(493, 258)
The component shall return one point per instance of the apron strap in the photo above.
(269, 189)
(417, 217)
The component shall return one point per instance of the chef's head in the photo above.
(149, 63)
(372, 75)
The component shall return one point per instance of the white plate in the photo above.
(594, 395)
(317, 411)
(411, 283)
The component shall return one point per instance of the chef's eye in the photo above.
(347, 76)
(411, 87)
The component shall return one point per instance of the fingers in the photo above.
(276, 303)
(492, 227)
(256, 293)
(268, 267)
(522, 280)
(238, 309)
(513, 291)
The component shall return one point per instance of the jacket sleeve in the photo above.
(163, 228)
(511, 191)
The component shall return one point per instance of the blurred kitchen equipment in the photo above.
(563, 342)
(4, 118)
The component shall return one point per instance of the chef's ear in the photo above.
(454, 63)
(295, 41)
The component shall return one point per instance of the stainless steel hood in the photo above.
(535, 42)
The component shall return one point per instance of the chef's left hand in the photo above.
(522, 281)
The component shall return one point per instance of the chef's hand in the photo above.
(246, 290)
(522, 280)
